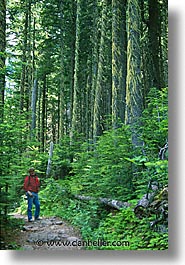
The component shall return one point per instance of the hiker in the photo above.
(32, 186)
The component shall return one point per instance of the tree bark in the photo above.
(33, 107)
(134, 100)
(43, 115)
(97, 112)
(48, 171)
(118, 61)
(112, 203)
(24, 73)
(75, 109)
(61, 86)
(154, 41)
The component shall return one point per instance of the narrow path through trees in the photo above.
(50, 233)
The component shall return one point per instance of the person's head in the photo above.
(31, 171)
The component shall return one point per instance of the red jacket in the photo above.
(31, 183)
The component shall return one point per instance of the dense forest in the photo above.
(84, 100)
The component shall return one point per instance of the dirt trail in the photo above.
(50, 233)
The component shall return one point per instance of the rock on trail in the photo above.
(50, 233)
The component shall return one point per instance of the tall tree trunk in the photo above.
(71, 86)
(94, 60)
(38, 108)
(118, 61)
(61, 84)
(44, 98)
(97, 115)
(30, 70)
(33, 108)
(154, 41)
(164, 44)
(75, 107)
(24, 58)
(72, 43)
(33, 79)
(2, 55)
(48, 171)
(146, 64)
(27, 61)
(134, 102)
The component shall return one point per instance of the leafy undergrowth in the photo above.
(130, 233)
(10, 232)
(103, 227)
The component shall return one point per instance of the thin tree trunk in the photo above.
(94, 70)
(154, 41)
(24, 59)
(33, 108)
(164, 44)
(29, 73)
(72, 69)
(118, 61)
(75, 109)
(43, 129)
(61, 84)
(48, 171)
(134, 102)
(97, 130)
(39, 111)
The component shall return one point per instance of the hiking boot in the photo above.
(38, 219)
(30, 220)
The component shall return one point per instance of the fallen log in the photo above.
(142, 204)
(155, 202)
(112, 203)
(138, 209)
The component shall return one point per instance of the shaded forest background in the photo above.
(84, 100)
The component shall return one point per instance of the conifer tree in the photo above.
(134, 100)
(118, 61)
(76, 107)
(98, 100)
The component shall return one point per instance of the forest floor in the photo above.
(49, 233)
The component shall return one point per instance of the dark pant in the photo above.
(33, 200)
